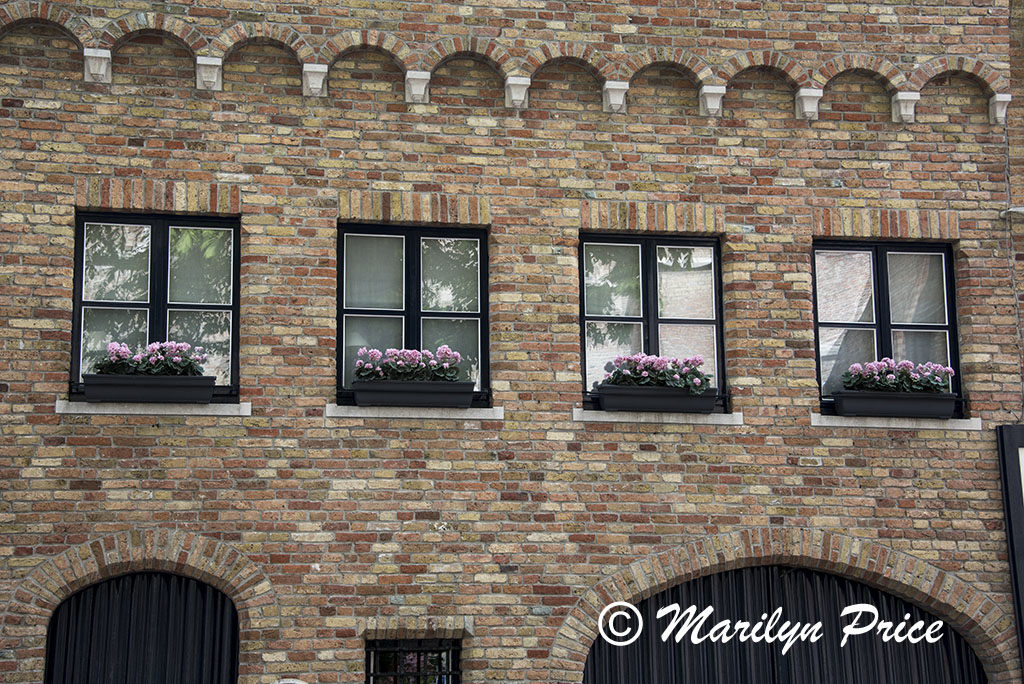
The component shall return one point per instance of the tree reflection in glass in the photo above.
(210, 330)
(200, 265)
(116, 263)
(450, 274)
(101, 326)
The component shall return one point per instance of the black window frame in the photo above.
(882, 324)
(400, 647)
(649, 303)
(411, 312)
(158, 305)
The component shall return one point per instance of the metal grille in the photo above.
(412, 661)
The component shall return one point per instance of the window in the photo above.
(413, 288)
(141, 279)
(412, 661)
(659, 296)
(151, 627)
(873, 301)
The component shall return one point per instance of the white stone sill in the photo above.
(584, 415)
(114, 408)
(336, 411)
(858, 422)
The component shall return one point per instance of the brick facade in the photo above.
(509, 530)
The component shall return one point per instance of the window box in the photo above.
(413, 393)
(161, 389)
(664, 399)
(895, 404)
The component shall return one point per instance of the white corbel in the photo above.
(517, 92)
(903, 104)
(807, 103)
(97, 66)
(209, 73)
(314, 80)
(613, 96)
(711, 100)
(997, 105)
(417, 87)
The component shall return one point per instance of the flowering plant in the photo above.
(408, 364)
(158, 358)
(659, 371)
(887, 375)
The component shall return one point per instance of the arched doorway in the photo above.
(152, 627)
(803, 595)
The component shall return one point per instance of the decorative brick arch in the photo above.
(350, 41)
(15, 13)
(881, 68)
(235, 36)
(207, 560)
(741, 61)
(676, 57)
(991, 80)
(984, 624)
(480, 48)
(600, 65)
(119, 30)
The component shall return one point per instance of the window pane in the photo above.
(462, 335)
(841, 347)
(210, 330)
(605, 341)
(612, 279)
(844, 287)
(686, 282)
(200, 265)
(374, 272)
(100, 327)
(917, 288)
(378, 332)
(920, 346)
(690, 340)
(116, 267)
(450, 271)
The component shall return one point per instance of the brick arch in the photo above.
(350, 41)
(992, 81)
(479, 48)
(984, 624)
(586, 55)
(119, 30)
(676, 57)
(207, 560)
(884, 70)
(768, 58)
(235, 36)
(16, 13)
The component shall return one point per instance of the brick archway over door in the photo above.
(986, 626)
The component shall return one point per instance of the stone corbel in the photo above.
(903, 104)
(97, 66)
(613, 96)
(417, 87)
(711, 100)
(517, 92)
(209, 73)
(314, 80)
(997, 105)
(807, 103)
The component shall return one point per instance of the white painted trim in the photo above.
(335, 411)
(859, 422)
(583, 415)
(114, 408)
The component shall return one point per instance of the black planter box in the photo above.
(664, 399)
(162, 389)
(895, 404)
(439, 394)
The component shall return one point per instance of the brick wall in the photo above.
(508, 532)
